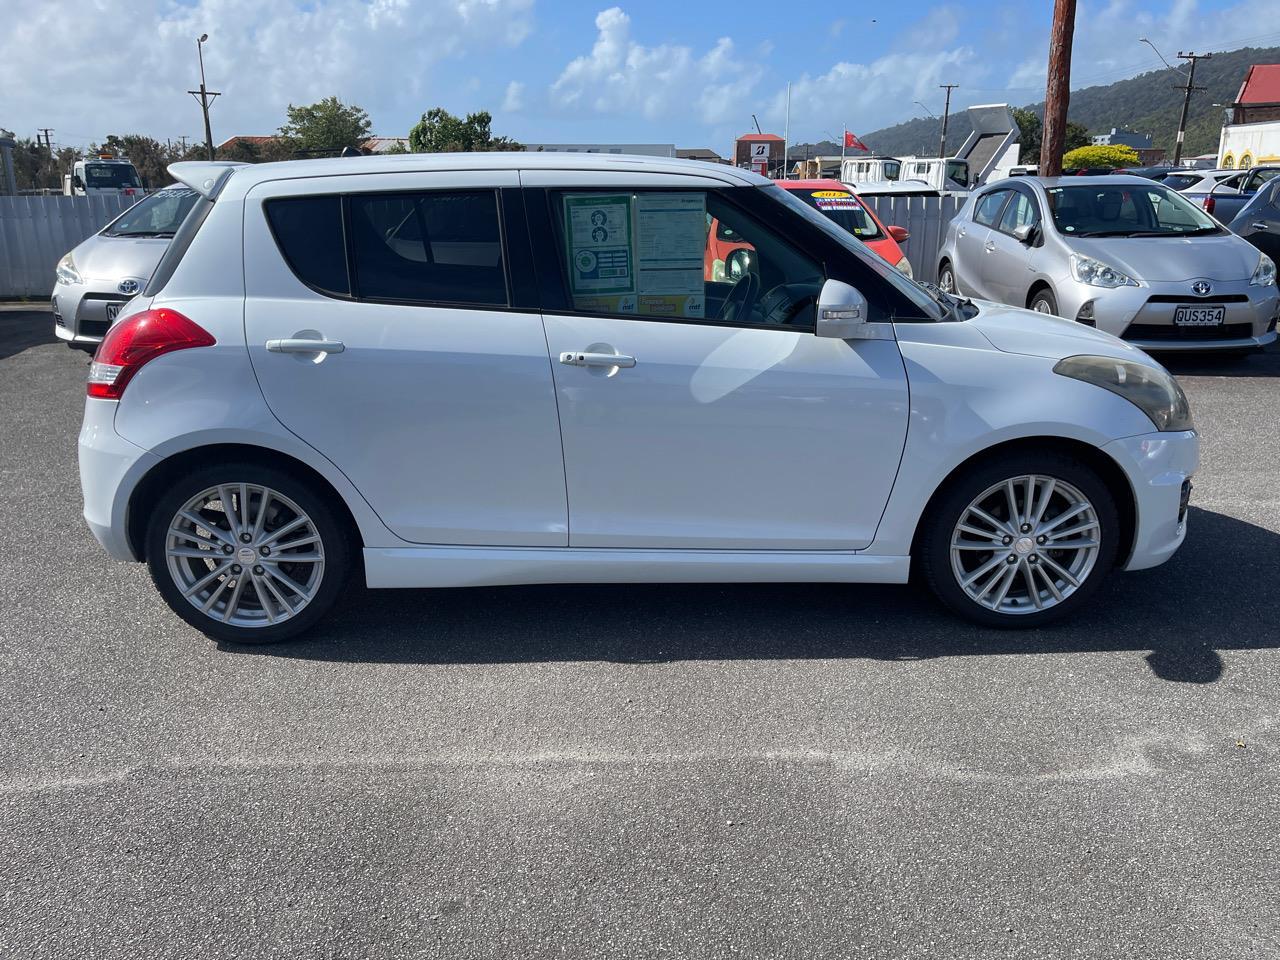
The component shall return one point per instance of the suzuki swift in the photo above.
(472, 369)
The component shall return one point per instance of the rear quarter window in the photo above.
(308, 231)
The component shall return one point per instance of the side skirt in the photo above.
(498, 566)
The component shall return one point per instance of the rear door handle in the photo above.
(305, 346)
(579, 359)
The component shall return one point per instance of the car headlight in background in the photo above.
(1098, 274)
(904, 265)
(1265, 274)
(1151, 389)
(67, 272)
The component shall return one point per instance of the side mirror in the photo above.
(899, 234)
(76, 181)
(842, 311)
(737, 264)
(1025, 233)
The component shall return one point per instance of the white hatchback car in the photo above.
(456, 370)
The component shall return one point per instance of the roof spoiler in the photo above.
(205, 177)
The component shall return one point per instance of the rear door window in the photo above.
(430, 247)
(988, 207)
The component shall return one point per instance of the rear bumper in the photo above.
(1157, 465)
(110, 468)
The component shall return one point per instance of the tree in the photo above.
(439, 131)
(1030, 127)
(325, 127)
(150, 157)
(1101, 156)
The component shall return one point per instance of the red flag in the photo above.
(851, 141)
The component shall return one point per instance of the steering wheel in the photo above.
(785, 302)
(742, 297)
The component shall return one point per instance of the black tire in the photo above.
(335, 542)
(1045, 296)
(933, 552)
(946, 268)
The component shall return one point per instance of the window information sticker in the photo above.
(637, 253)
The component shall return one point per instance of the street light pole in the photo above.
(204, 95)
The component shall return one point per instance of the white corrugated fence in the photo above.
(926, 219)
(36, 231)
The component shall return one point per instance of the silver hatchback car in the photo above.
(1124, 254)
(96, 279)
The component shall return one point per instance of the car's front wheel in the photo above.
(1021, 541)
(947, 278)
(247, 553)
(1044, 302)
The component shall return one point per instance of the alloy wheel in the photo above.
(245, 555)
(1025, 545)
(947, 282)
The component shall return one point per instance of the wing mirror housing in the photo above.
(899, 234)
(1026, 233)
(842, 312)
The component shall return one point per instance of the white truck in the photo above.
(899, 174)
(103, 174)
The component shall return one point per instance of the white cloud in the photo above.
(124, 66)
(621, 76)
(513, 102)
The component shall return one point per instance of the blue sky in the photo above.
(654, 71)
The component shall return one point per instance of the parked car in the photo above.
(1126, 255)
(462, 370)
(1197, 182)
(836, 201)
(96, 279)
(1259, 221)
(1154, 172)
(1227, 198)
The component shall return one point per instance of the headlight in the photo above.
(1098, 274)
(1151, 389)
(1265, 274)
(67, 272)
(905, 266)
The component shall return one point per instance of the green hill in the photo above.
(1148, 103)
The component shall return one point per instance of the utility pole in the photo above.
(1186, 99)
(1057, 92)
(946, 113)
(48, 138)
(204, 96)
(183, 138)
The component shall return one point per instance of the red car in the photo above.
(842, 205)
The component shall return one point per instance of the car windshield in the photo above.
(930, 305)
(158, 215)
(111, 175)
(1125, 210)
(844, 208)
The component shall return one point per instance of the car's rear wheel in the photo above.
(1021, 541)
(946, 278)
(1044, 301)
(247, 553)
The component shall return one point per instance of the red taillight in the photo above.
(1209, 204)
(134, 341)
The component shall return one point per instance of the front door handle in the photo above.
(579, 359)
(300, 345)
(1261, 225)
(990, 246)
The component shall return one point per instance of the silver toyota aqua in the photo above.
(1124, 254)
(106, 271)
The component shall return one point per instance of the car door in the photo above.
(687, 425)
(1006, 264)
(973, 243)
(401, 352)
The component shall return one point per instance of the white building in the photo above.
(1253, 135)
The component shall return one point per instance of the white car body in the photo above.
(469, 451)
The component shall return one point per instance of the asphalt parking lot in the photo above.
(684, 771)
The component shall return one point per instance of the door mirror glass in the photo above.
(899, 234)
(737, 265)
(842, 311)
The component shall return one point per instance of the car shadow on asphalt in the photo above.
(21, 330)
(1183, 613)
(1265, 363)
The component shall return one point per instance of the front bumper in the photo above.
(110, 468)
(1159, 467)
(80, 309)
(1143, 316)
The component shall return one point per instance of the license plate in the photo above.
(1193, 316)
(113, 311)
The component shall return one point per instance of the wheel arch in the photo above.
(1108, 470)
(1036, 288)
(148, 489)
